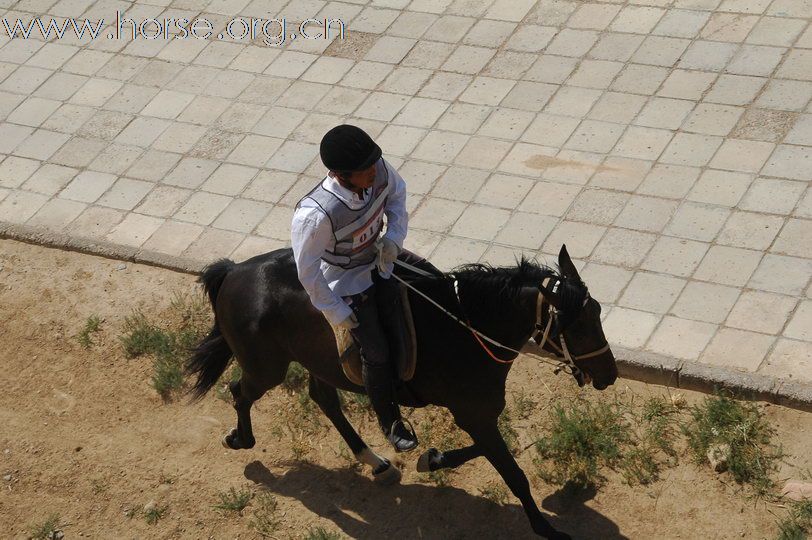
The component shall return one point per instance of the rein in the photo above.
(567, 365)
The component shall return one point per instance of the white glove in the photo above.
(349, 323)
(388, 251)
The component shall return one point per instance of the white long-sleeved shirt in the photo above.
(312, 234)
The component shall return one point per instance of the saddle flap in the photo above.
(349, 353)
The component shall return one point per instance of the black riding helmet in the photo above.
(348, 148)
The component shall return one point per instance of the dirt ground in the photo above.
(84, 435)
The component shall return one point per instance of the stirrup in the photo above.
(411, 442)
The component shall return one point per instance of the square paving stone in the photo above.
(728, 265)
(504, 191)
(134, 230)
(761, 312)
(720, 187)
(711, 119)
(646, 213)
(597, 206)
(549, 198)
(691, 149)
(781, 274)
(742, 155)
(125, 194)
(480, 223)
(453, 251)
(795, 239)
(173, 237)
(685, 84)
(773, 196)
(675, 256)
(56, 214)
(622, 247)
(789, 359)
(737, 349)
(681, 338)
(705, 302)
(460, 183)
(750, 230)
(651, 292)
(437, 215)
(629, 328)
(697, 221)
(19, 206)
(526, 230)
(580, 238)
(672, 181)
(794, 162)
(605, 281)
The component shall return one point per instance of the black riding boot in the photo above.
(390, 313)
(378, 381)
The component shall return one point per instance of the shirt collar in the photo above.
(332, 185)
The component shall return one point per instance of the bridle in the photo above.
(541, 335)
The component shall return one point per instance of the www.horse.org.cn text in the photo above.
(273, 32)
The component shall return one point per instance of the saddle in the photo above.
(350, 354)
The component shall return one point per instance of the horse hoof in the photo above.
(388, 476)
(425, 460)
(228, 439)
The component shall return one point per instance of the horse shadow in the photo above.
(362, 509)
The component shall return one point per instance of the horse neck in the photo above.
(515, 329)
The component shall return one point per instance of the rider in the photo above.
(345, 264)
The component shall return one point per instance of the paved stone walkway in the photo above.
(667, 142)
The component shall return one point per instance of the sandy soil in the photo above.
(84, 435)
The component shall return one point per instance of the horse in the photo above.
(264, 319)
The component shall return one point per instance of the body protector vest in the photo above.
(354, 231)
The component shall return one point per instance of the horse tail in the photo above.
(213, 276)
(210, 358)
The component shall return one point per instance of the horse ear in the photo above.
(565, 264)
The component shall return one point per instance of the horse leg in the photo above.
(326, 397)
(434, 460)
(493, 447)
(245, 394)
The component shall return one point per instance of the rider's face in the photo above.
(362, 179)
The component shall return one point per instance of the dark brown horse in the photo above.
(264, 319)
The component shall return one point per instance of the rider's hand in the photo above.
(349, 323)
(388, 251)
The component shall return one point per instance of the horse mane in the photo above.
(495, 290)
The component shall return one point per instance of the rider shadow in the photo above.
(584, 522)
(362, 509)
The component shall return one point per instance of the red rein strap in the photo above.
(487, 350)
(539, 302)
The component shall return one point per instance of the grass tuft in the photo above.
(583, 438)
(155, 513)
(721, 419)
(505, 425)
(92, 325)
(798, 524)
(169, 345)
(221, 390)
(320, 533)
(495, 491)
(265, 522)
(47, 529)
(233, 500)
(352, 402)
(296, 377)
(523, 406)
